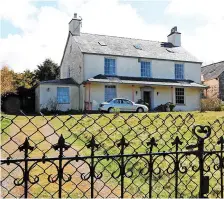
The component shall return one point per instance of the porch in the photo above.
(152, 91)
(154, 96)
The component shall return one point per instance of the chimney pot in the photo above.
(74, 25)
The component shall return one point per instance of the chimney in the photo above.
(74, 25)
(174, 37)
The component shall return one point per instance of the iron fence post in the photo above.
(176, 142)
(61, 146)
(151, 143)
(122, 144)
(92, 145)
(26, 147)
(201, 166)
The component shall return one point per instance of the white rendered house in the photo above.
(95, 68)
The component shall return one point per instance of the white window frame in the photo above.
(177, 73)
(150, 69)
(180, 95)
(105, 92)
(115, 65)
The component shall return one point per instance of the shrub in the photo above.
(172, 106)
(213, 104)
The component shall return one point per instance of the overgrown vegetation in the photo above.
(211, 104)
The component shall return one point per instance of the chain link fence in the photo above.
(110, 155)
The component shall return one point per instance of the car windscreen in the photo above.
(109, 100)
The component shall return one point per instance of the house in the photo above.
(102, 67)
(213, 77)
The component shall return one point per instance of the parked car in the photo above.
(124, 105)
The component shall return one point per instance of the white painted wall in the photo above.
(94, 65)
(192, 100)
(37, 99)
(45, 96)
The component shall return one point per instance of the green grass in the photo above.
(138, 129)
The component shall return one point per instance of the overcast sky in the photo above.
(34, 30)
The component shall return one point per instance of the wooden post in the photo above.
(171, 94)
(133, 93)
(89, 96)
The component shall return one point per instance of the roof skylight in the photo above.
(102, 43)
(137, 46)
(170, 51)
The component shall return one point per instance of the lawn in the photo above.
(108, 129)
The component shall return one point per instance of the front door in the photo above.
(147, 98)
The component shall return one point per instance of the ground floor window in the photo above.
(63, 95)
(110, 92)
(180, 96)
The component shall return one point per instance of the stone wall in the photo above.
(72, 63)
(213, 89)
(221, 86)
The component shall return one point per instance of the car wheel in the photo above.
(110, 110)
(140, 110)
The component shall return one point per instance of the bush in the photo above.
(213, 104)
(172, 106)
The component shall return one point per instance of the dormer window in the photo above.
(109, 66)
(179, 71)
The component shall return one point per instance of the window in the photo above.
(180, 96)
(145, 69)
(110, 92)
(102, 43)
(118, 101)
(109, 67)
(63, 95)
(137, 46)
(127, 102)
(179, 71)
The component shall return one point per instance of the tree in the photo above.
(48, 70)
(7, 80)
(26, 79)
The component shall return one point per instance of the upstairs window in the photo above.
(63, 95)
(179, 71)
(109, 66)
(145, 69)
(110, 92)
(180, 96)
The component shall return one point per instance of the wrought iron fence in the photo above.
(137, 155)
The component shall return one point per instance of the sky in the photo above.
(32, 31)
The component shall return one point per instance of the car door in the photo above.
(117, 104)
(127, 105)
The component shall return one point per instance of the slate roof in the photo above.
(144, 81)
(212, 71)
(122, 46)
(66, 81)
